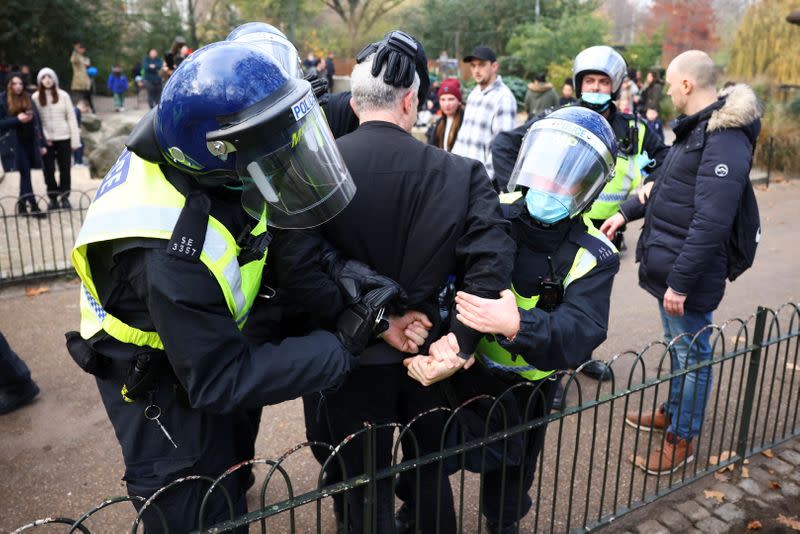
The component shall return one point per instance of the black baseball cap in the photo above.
(482, 52)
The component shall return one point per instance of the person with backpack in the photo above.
(692, 213)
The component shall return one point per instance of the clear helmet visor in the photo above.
(563, 161)
(303, 181)
(278, 48)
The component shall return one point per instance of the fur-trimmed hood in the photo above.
(741, 109)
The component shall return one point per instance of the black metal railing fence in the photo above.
(587, 474)
(34, 246)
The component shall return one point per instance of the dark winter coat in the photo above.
(651, 96)
(12, 132)
(689, 215)
(419, 215)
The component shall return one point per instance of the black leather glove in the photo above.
(355, 278)
(360, 323)
(319, 86)
(403, 55)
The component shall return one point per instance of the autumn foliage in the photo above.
(766, 44)
(686, 25)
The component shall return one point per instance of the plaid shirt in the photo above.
(487, 113)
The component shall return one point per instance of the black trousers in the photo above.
(207, 445)
(509, 465)
(381, 394)
(59, 151)
(153, 93)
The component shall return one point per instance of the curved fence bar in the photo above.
(589, 470)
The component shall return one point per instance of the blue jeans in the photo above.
(687, 394)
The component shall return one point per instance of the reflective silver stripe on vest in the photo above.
(510, 368)
(233, 275)
(151, 218)
(612, 197)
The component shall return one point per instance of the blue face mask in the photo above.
(547, 208)
(597, 101)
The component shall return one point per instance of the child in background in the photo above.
(118, 84)
(80, 109)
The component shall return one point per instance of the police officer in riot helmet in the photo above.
(556, 310)
(598, 73)
(170, 257)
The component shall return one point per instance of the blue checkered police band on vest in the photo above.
(116, 175)
(301, 109)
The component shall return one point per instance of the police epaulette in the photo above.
(602, 251)
(189, 234)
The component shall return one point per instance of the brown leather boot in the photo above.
(649, 421)
(674, 452)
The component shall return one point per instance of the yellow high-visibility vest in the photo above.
(627, 177)
(136, 200)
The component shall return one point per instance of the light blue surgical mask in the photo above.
(643, 160)
(547, 208)
(597, 101)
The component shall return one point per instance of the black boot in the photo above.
(492, 528)
(65, 205)
(558, 398)
(13, 397)
(405, 520)
(35, 210)
(52, 204)
(597, 370)
(22, 208)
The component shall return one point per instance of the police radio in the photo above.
(630, 145)
(551, 289)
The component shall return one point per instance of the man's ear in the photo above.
(687, 86)
(408, 101)
(353, 106)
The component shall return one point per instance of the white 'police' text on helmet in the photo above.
(602, 59)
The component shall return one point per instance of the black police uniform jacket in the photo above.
(223, 375)
(505, 146)
(565, 337)
(418, 216)
(695, 197)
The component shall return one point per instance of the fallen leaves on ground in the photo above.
(712, 494)
(723, 456)
(638, 461)
(793, 367)
(720, 476)
(36, 291)
(790, 522)
(768, 453)
(745, 472)
(775, 485)
(754, 525)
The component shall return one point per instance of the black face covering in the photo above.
(403, 56)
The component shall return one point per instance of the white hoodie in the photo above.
(58, 119)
